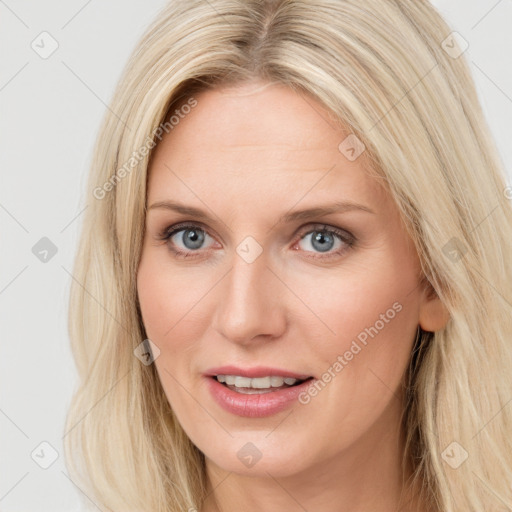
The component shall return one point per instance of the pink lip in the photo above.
(258, 371)
(256, 405)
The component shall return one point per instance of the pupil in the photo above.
(193, 236)
(319, 236)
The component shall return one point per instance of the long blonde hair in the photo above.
(392, 73)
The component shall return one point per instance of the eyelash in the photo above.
(346, 237)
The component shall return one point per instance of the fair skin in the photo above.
(247, 155)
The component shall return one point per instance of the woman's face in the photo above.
(270, 292)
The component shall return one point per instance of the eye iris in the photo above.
(192, 238)
(194, 235)
(320, 236)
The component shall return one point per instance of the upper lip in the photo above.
(257, 371)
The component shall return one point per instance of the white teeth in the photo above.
(276, 382)
(256, 383)
(261, 383)
(241, 382)
(230, 379)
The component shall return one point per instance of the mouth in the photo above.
(258, 385)
(258, 391)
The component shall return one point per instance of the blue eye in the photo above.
(192, 238)
(323, 240)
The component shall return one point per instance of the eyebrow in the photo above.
(307, 213)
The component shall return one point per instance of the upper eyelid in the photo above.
(302, 231)
(179, 226)
(346, 237)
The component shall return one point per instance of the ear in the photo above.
(433, 313)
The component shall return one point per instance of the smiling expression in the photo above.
(231, 274)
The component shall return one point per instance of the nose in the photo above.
(251, 302)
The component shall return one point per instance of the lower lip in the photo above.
(255, 405)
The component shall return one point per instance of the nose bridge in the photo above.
(249, 304)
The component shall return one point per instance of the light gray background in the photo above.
(51, 111)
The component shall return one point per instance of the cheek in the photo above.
(162, 297)
(374, 316)
(172, 302)
(367, 313)
(344, 302)
(165, 301)
(155, 300)
(161, 306)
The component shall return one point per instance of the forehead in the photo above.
(264, 135)
(254, 115)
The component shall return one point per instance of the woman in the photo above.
(293, 283)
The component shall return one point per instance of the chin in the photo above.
(258, 458)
